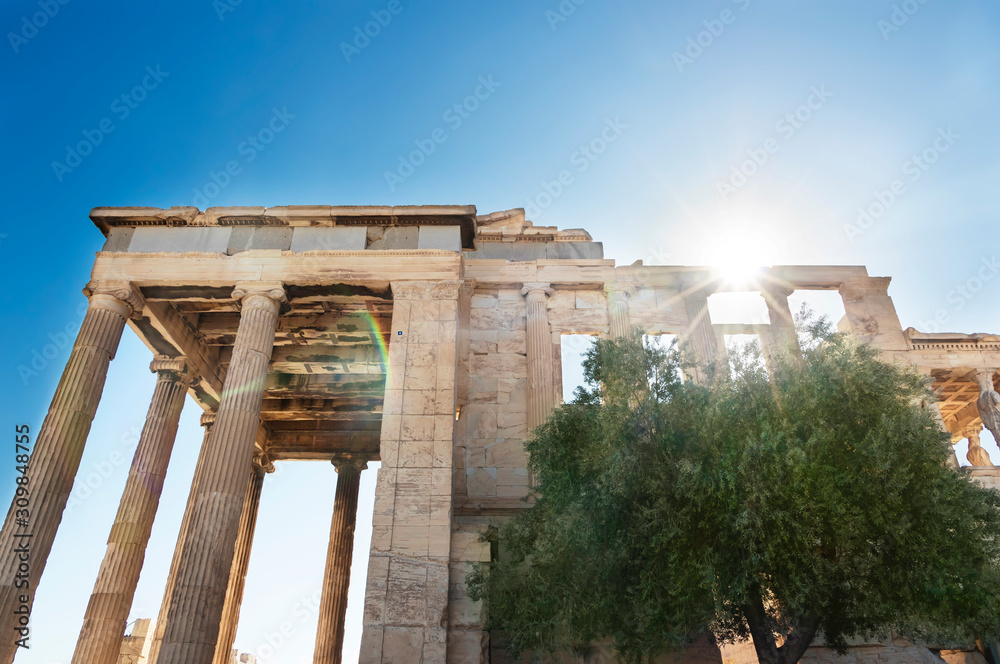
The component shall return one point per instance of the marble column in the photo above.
(241, 560)
(104, 622)
(58, 448)
(779, 313)
(699, 338)
(207, 420)
(337, 577)
(197, 601)
(618, 293)
(871, 315)
(541, 386)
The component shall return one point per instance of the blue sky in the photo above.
(666, 98)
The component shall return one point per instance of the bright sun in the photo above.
(740, 254)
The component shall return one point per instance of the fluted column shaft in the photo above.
(541, 386)
(196, 605)
(699, 336)
(104, 622)
(57, 452)
(780, 314)
(241, 560)
(207, 420)
(337, 577)
(618, 317)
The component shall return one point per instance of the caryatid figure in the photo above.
(977, 456)
(988, 403)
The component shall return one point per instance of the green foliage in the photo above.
(814, 499)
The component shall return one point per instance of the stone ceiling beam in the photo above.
(292, 269)
(202, 359)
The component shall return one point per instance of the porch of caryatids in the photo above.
(198, 597)
(406, 598)
(104, 622)
(59, 446)
(337, 575)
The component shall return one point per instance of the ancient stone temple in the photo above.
(425, 338)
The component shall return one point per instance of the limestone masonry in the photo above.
(426, 338)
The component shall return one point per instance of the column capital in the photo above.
(208, 419)
(260, 293)
(468, 287)
(866, 285)
(619, 290)
(122, 297)
(263, 461)
(447, 289)
(973, 432)
(770, 290)
(176, 367)
(349, 465)
(537, 289)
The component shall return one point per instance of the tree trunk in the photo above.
(768, 652)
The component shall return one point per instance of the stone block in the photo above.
(392, 237)
(442, 453)
(483, 301)
(527, 251)
(331, 238)
(591, 300)
(448, 238)
(481, 484)
(271, 237)
(643, 298)
(499, 365)
(574, 250)
(508, 454)
(118, 239)
(512, 341)
(402, 645)
(493, 250)
(416, 453)
(157, 238)
(562, 299)
(409, 541)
